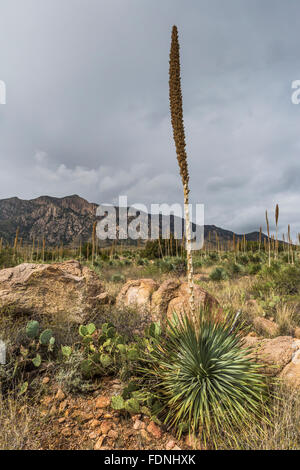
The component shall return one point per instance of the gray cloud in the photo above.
(87, 104)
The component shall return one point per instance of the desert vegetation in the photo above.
(120, 347)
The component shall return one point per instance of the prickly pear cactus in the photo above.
(32, 329)
(45, 337)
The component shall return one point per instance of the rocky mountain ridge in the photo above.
(65, 220)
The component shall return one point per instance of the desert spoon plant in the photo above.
(179, 138)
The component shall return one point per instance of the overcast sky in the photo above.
(87, 107)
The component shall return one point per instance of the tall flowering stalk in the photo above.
(259, 239)
(179, 138)
(269, 241)
(276, 221)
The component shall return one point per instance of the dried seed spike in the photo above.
(176, 109)
(267, 220)
(276, 214)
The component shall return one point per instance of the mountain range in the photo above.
(67, 220)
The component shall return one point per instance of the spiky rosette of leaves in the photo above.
(205, 382)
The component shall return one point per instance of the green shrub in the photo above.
(197, 264)
(152, 250)
(218, 274)
(233, 269)
(243, 259)
(282, 280)
(254, 268)
(287, 281)
(262, 287)
(179, 266)
(255, 258)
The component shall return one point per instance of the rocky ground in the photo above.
(90, 423)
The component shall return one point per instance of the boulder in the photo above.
(263, 325)
(173, 297)
(65, 289)
(162, 301)
(251, 340)
(137, 293)
(168, 291)
(291, 372)
(297, 332)
(274, 353)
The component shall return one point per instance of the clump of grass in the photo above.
(19, 421)
(285, 318)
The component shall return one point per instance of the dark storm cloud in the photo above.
(87, 103)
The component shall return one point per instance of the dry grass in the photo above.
(231, 294)
(18, 422)
(282, 433)
(285, 318)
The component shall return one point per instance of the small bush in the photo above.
(287, 281)
(233, 269)
(255, 258)
(218, 274)
(254, 268)
(243, 259)
(179, 267)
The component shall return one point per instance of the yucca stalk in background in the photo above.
(43, 249)
(16, 242)
(94, 242)
(290, 245)
(179, 138)
(259, 239)
(269, 241)
(32, 249)
(276, 221)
